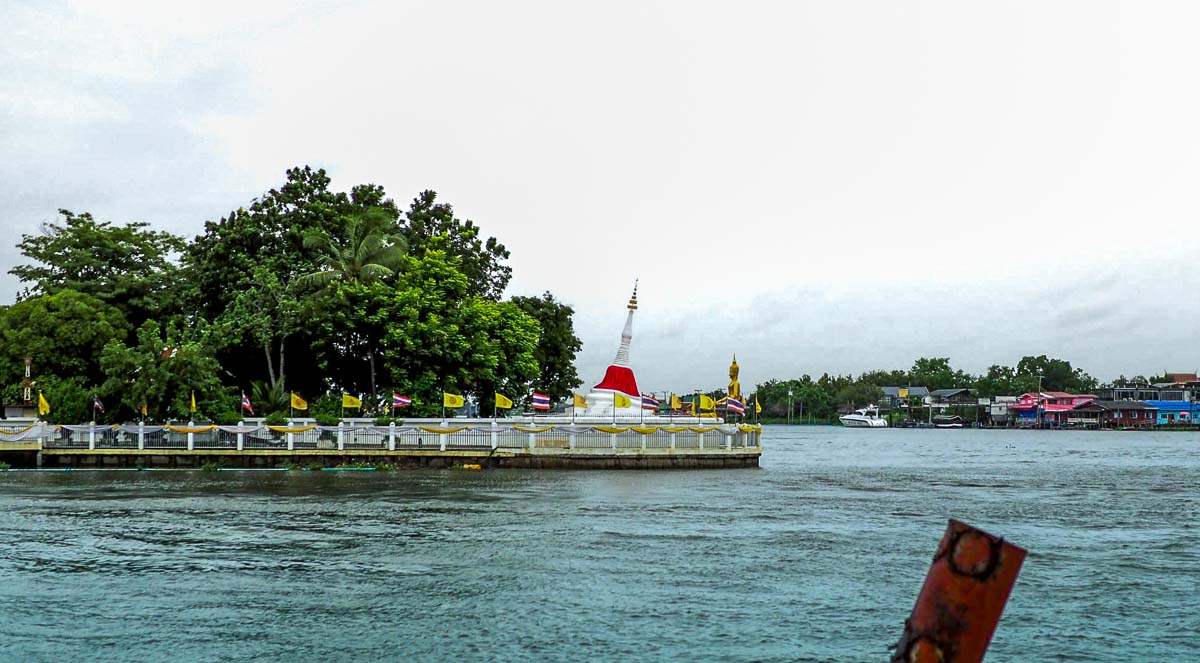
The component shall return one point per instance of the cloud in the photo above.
(815, 186)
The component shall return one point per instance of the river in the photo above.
(816, 556)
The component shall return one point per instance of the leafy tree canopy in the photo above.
(129, 266)
(557, 345)
(432, 225)
(64, 332)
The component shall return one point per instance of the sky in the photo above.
(814, 186)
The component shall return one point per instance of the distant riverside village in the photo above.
(1040, 392)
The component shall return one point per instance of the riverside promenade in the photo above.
(517, 443)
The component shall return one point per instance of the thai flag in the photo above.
(400, 401)
(734, 405)
(649, 402)
(97, 405)
(541, 401)
(246, 403)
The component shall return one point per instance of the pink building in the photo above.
(1054, 406)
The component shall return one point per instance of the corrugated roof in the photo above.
(912, 391)
(947, 393)
(1117, 405)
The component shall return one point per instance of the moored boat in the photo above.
(867, 417)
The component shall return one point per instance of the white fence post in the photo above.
(614, 440)
(442, 441)
(92, 436)
(728, 442)
(291, 441)
(392, 436)
(241, 437)
(672, 441)
(570, 440)
(341, 436)
(141, 435)
(495, 436)
(191, 437)
(700, 436)
(644, 438)
(532, 441)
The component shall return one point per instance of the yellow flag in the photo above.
(580, 401)
(676, 403)
(503, 402)
(298, 403)
(192, 407)
(902, 393)
(757, 405)
(351, 401)
(43, 405)
(620, 400)
(145, 410)
(707, 403)
(452, 400)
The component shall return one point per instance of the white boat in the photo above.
(867, 417)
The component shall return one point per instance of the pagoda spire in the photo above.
(622, 358)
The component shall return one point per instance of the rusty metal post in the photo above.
(960, 603)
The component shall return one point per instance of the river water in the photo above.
(817, 556)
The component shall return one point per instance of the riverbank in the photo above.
(413, 444)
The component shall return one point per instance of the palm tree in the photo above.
(367, 252)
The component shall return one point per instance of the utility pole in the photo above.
(790, 407)
(1039, 401)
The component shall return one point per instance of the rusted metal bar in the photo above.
(960, 603)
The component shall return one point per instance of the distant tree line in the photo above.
(305, 289)
(822, 398)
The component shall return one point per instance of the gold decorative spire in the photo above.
(633, 299)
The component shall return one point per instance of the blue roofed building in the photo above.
(1171, 413)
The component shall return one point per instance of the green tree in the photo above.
(162, 370)
(557, 345)
(430, 225)
(439, 338)
(934, 373)
(70, 399)
(266, 313)
(1057, 374)
(368, 250)
(63, 331)
(256, 252)
(129, 266)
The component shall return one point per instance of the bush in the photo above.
(70, 400)
(276, 419)
(227, 418)
(326, 419)
(211, 466)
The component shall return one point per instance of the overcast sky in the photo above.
(816, 186)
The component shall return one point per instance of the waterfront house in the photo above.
(898, 397)
(1179, 387)
(1113, 414)
(1052, 405)
(1171, 413)
(944, 398)
(998, 410)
